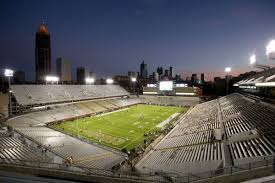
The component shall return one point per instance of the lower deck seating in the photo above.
(84, 154)
(12, 150)
(202, 136)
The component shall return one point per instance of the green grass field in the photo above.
(121, 129)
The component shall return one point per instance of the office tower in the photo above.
(143, 70)
(82, 73)
(42, 53)
(63, 70)
(171, 72)
(166, 73)
(194, 78)
(160, 72)
(202, 78)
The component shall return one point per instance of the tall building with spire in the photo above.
(42, 53)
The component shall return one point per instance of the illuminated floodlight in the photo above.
(227, 69)
(181, 85)
(109, 81)
(151, 85)
(90, 80)
(9, 73)
(252, 59)
(265, 84)
(134, 79)
(52, 79)
(270, 48)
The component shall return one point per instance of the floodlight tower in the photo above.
(9, 73)
(227, 70)
(90, 81)
(109, 81)
(270, 50)
(52, 79)
(253, 61)
(134, 80)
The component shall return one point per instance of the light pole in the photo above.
(227, 70)
(9, 73)
(90, 81)
(134, 80)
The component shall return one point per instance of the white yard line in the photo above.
(104, 114)
(170, 118)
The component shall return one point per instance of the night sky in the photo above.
(114, 36)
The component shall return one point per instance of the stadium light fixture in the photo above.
(90, 80)
(252, 59)
(8, 73)
(270, 48)
(227, 69)
(134, 79)
(109, 81)
(52, 79)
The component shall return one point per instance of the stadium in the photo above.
(94, 117)
(104, 133)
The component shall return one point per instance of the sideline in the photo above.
(104, 114)
(170, 118)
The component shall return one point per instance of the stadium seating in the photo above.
(44, 94)
(199, 140)
(231, 126)
(72, 110)
(32, 126)
(171, 100)
(12, 150)
(84, 154)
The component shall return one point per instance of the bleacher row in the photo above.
(12, 149)
(189, 143)
(65, 146)
(250, 127)
(42, 94)
(72, 110)
(171, 100)
(245, 127)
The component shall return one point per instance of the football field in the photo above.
(120, 129)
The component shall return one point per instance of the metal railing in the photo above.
(149, 177)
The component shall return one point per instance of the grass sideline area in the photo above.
(123, 129)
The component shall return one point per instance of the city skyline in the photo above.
(112, 38)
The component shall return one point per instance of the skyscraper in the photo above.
(143, 70)
(42, 53)
(63, 70)
(166, 73)
(82, 73)
(194, 78)
(160, 72)
(171, 72)
(202, 78)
